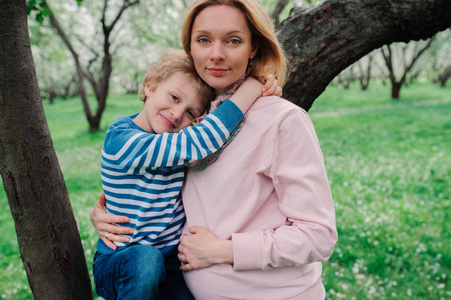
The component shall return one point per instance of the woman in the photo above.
(260, 219)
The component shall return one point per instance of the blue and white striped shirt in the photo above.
(142, 173)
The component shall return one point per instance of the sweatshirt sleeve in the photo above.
(125, 149)
(300, 181)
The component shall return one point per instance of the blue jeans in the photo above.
(139, 272)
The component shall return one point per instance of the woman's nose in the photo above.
(217, 52)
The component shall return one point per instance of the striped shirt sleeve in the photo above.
(134, 149)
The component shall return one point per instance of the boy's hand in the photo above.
(271, 87)
(251, 87)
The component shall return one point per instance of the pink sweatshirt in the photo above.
(268, 192)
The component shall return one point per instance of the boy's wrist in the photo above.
(247, 93)
(251, 86)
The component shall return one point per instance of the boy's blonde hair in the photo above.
(269, 59)
(170, 62)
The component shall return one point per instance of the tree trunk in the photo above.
(388, 58)
(51, 96)
(323, 41)
(395, 89)
(80, 73)
(47, 233)
(365, 77)
(443, 77)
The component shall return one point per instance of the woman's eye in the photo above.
(175, 98)
(235, 41)
(202, 40)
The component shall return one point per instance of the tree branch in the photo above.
(126, 4)
(324, 40)
(79, 69)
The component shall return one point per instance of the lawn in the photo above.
(389, 166)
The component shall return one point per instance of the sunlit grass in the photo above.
(389, 165)
(389, 169)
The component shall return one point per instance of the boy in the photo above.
(143, 164)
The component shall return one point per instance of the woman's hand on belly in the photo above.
(202, 249)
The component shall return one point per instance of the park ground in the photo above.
(389, 167)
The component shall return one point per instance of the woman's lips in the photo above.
(216, 71)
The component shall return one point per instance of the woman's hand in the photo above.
(271, 87)
(103, 222)
(202, 249)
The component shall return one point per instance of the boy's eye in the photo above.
(175, 98)
(191, 114)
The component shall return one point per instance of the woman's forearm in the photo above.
(223, 253)
(104, 224)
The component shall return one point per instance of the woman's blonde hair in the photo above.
(269, 59)
(171, 61)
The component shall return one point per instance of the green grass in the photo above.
(389, 166)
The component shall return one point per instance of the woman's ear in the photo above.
(253, 52)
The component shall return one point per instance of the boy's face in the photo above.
(172, 105)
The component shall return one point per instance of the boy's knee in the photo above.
(145, 263)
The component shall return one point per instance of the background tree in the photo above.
(407, 63)
(325, 39)
(54, 66)
(280, 6)
(140, 42)
(438, 58)
(47, 233)
(347, 77)
(444, 76)
(100, 78)
(364, 74)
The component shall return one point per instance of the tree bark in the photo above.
(47, 233)
(324, 40)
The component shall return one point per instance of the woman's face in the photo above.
(221, 45)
